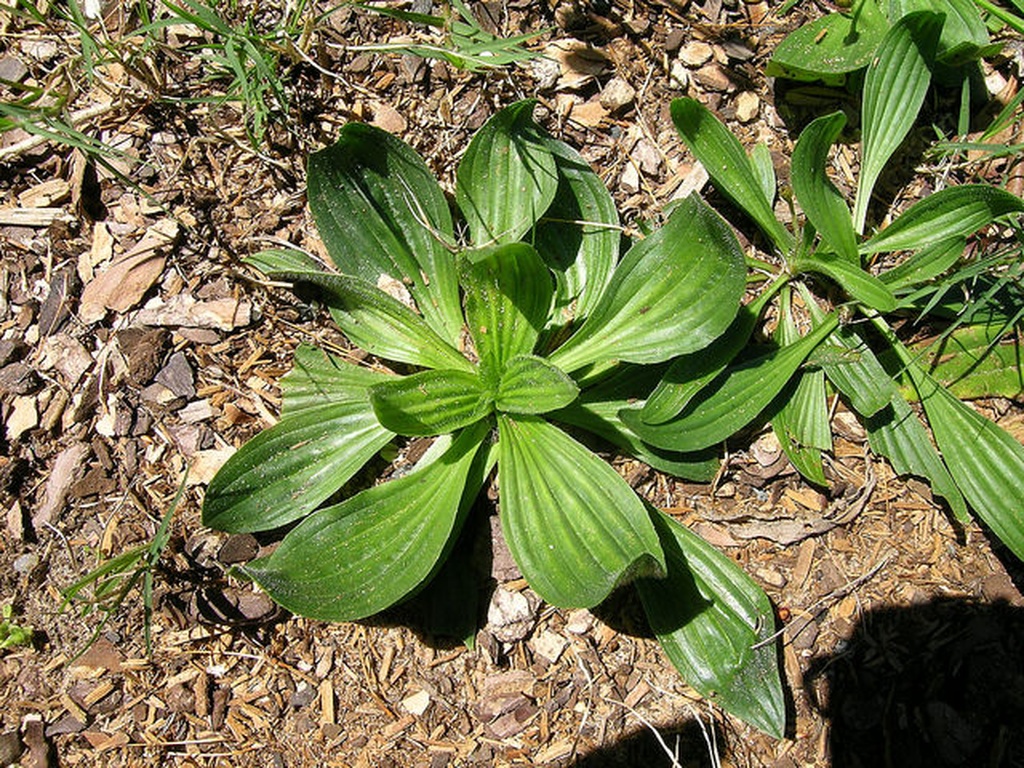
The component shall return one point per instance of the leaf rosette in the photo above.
(502, 351)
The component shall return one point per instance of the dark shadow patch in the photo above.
(932, 685)
(684, 739)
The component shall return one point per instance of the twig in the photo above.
(673, 756)
(835, 594)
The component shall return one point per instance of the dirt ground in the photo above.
(903, 633)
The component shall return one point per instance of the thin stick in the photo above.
(833, 595)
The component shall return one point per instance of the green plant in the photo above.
(11, 634)
(106, 587)
(498, 346)
(848, 311)
(842, 45)
(464, 43)
(247, 57)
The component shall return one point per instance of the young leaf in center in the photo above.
(531, 384)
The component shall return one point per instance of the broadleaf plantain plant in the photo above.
(504, 349)
(850, 312)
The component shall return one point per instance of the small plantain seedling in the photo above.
(505, 349)
(850, 343)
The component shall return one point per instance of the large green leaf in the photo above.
(733, 400)
(531, 384)
(378, 323)
(431, 402)
(575, 528)
(380, 212)
(674, 292)
(579, 235)
(689, 374)
(894, 89)
(507, 178)
(318, 378)
(832, 46)
(822, 202)
(727, 164)
(964, 36)
(359, 557)
(986, 461)
(508, 298)
(948, 214)
(286, 471)
(858, 284)
(716, 626)
(597, 411)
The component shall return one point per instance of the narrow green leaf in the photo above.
(894, 89)
(832, 46)
(673, 292)
(868, 388)
(380, 324)
(764, 169)
(894, 431)
(733, 400)
(601, 418)
(802, 423)
(508, 178)
(318, 378)
(728, 166)
(430, 402)
(716, 625)
(978, 361)
(954, 212)
(286, 471)
(579, 235)
(380, 212)
(928, 263)
(531, 384)
(689, 374)
(856, 282)
(822, 202)
(574, 526)
(359, 557)
(508, 298)
(986, 461)
(283, 260)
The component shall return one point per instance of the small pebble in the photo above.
(24, 564)
(747, 106)
(696, 53)
(617, 95)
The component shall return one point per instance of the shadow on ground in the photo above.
(684, 741)
(934, 685)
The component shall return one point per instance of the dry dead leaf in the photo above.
(126, 281)
(67, 470)
(578, 62)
